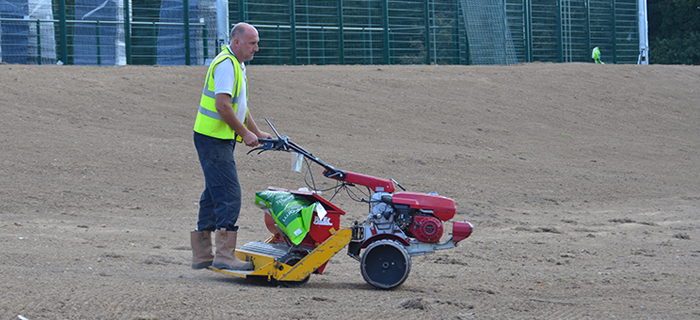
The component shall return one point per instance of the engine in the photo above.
(382, 213)
(426, 228)
(403, 219)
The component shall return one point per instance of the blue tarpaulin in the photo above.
(171, 39)
(86, 33)
(14, 35)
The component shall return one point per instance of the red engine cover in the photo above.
(443, 208)
(426, 228)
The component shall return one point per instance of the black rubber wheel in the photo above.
(385, 264)
(291, 259)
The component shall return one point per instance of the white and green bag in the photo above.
(292, 213)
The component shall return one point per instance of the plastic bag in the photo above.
(292, 213)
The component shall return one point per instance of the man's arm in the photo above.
(254, 128)
(223, 107)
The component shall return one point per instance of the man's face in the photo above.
(246, 45)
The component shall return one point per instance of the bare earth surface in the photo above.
(582, 181)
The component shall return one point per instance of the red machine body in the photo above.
(428, 210)
(376, 184)
(441, 207)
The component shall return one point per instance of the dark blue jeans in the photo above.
(220, 203)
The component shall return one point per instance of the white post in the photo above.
(643, 34)
(222, 28)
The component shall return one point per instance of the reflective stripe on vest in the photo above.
(208, 120)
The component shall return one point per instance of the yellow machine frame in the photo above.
(267, 266)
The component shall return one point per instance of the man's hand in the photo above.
(250, 139)
(264, 135)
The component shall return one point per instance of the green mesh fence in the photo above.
(567, 30)
(101, 32)
(355, 32)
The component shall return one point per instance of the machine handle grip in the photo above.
(279, 144)
(261, 140)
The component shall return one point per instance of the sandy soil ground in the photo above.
(582, 182)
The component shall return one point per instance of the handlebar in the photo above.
(282, 143)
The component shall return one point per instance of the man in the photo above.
(222, 120)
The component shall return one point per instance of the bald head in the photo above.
(241, 28)
(244, 41)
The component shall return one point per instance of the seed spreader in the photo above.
(306, 232)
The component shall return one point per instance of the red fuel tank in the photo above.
(443, 208)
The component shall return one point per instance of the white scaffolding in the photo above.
(643, 34)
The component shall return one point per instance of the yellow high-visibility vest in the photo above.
(208, 120)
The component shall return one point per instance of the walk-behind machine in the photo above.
(306, 229)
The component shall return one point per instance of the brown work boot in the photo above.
(202, 256)
(225, 257)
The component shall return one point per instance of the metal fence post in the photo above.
(560, 40)
(588, 26)
(186, 14)
(127, 32)
(364, 47)
(97, 38)
(642, 24)
(279, 46)
(205, 42)
(308, 32)
(614, 31)
(426, 9)
(323, 46)
(506, 32)
(455, 31)
(468, 55)
(241, 11)
(154, 36)
(63, 30)
(385, 19)
(341, 36)
(223, 28)
(527, 22)
(38, 42)
(293, 30)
